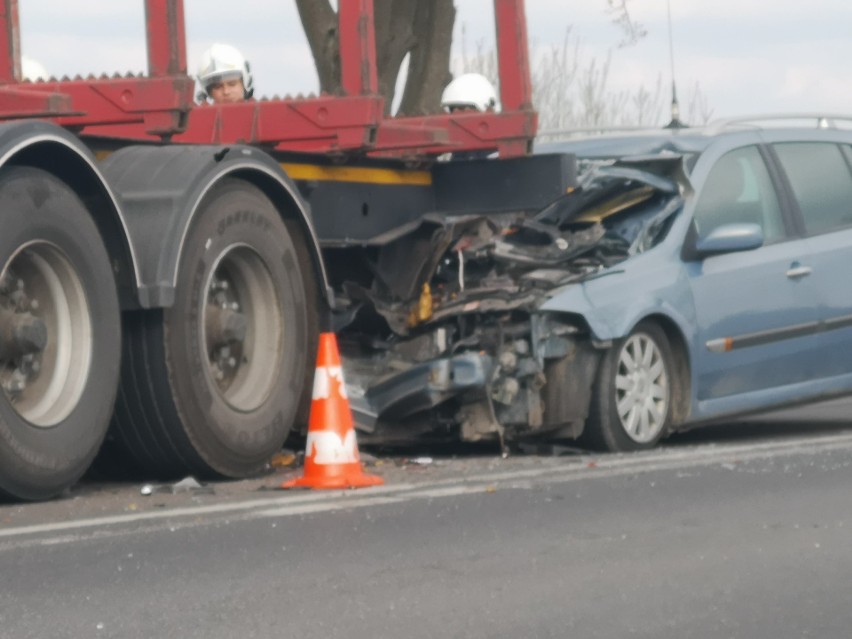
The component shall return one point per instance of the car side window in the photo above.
(821, 181)
(739, 190)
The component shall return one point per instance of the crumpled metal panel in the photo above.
(468, 291)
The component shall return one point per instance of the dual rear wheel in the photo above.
(210, 386)
(59, 336)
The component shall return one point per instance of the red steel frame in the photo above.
(160, 106)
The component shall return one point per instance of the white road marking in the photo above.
(290, 504)
(366, 500)
(190, 511)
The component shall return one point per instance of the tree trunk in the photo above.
(319, 21)
(394, 39)
(423, 29)
(429, 65)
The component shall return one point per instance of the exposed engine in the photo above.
(443, 337)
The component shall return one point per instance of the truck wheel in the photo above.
(632, 398)
(211, 385)
(59, 336)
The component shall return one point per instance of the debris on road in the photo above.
(369, 460)
(284, 459)
(548, 449)
(185, 485)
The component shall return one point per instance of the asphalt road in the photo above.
(737, 530)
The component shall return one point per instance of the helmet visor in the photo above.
(461, 106)
(224, 76)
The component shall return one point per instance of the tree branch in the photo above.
(632, 31)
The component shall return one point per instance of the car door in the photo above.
(756, 311)
(820, 179)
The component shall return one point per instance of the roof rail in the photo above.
(561, 134)
(819, 120)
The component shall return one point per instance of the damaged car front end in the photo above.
(445, 336)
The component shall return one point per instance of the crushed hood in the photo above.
(450, 266)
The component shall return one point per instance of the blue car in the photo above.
(688, 275)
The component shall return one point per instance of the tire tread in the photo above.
(146, 422)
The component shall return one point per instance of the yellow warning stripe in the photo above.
(356, 174)
(339, 173)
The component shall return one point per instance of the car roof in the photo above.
(646, 142)
(624, 142)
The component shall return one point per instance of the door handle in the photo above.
(798, 271)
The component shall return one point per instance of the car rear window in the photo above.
(821, 181)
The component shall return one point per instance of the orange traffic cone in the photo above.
(331, 452)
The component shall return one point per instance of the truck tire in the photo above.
(60, 336)
(632, 400)
(210, 386)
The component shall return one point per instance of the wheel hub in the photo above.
(243, 327)
(640, 384)
(226, 332)
(45, 334)
(23, 336)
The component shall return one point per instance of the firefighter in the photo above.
(469, 92)
(32, 70)
(224, 75)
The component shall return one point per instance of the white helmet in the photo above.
(32, 70)
(221, 61)
(470, 90)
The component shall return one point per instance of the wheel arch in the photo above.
(50, 148)
(163, 188)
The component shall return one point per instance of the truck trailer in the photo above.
(167, 265)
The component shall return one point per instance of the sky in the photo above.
(747, 56)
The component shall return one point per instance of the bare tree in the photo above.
(421, 31)
(632, 31)
(698, 107)
(569, 90)
(572, 91)
(319, 21)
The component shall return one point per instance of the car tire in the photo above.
(61, 344)
(631, 407)
(211, 385)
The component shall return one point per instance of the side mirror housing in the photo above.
(727, 238)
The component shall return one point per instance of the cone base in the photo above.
(353, 479)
